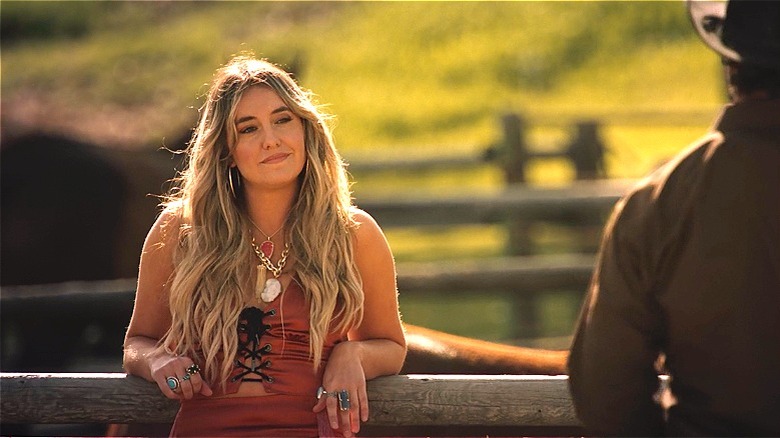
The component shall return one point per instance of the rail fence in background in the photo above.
(83, 323)
(513, 154)
(578, 209)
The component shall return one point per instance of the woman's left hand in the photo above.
(344, 371)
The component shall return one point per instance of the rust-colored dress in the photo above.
(273, 352)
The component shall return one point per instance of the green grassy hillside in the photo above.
(396, 74)
(403, 79)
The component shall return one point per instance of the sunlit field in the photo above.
(403, 80)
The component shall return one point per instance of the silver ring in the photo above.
(173, 383)
(321, 391)
(343, 397)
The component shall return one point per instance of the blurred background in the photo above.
(489, 139)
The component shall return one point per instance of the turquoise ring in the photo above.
(173, 383)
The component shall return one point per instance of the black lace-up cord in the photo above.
(251, 323)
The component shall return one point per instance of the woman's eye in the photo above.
(284, 119)
(247, 129)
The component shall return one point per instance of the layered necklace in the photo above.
(267, 289)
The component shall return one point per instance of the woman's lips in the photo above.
(275, 158)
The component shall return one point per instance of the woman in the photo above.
(265, 299)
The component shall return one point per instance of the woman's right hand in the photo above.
(151, 318)
(164, 367)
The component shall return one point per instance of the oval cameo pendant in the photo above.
(272, 289)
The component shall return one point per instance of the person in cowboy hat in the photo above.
(689, 266)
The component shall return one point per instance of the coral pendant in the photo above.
(267, 247)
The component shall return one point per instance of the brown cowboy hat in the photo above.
(745, 31)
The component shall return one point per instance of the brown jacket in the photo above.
(689, 268)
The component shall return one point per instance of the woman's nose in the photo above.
(270, 140)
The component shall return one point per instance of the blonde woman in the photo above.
(265, 298)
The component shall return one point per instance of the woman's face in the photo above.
(269, 147)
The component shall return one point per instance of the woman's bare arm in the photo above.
(375, 348)
(152, 317)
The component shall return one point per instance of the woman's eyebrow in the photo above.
(244, 119)
(281, 109)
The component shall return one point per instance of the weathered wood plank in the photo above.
(573, 203)
(449, 400)
(518, 275)
(82, 398)
(370, 164)
(411, 400)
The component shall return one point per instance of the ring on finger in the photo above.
(173, 383)
(343, 397)
(321, 391)
(190, 371)
(193, 369)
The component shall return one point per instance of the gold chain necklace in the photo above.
(267, 289)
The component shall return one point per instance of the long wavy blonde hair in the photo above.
(214, 260)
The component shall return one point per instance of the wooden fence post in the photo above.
(586, 152)
(515, 159)
(514, 148)
(526, 324)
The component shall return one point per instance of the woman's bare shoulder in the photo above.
(365, 224)
(370, 242)
(167, 228)
(361, 217)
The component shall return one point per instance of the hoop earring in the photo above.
(234, 181)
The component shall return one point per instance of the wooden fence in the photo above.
(404, 405)
(568, 203)
(518, 275)
(513, 154)
(87, 320)
(582, 206)
(399, 405)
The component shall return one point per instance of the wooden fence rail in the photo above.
(516, 202)
(404, 405)
(513, 153)
(369, 164)
(516, 275)
(522, 275)
(405, 400)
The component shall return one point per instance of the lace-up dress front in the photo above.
(251, 329)
(273, 351)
